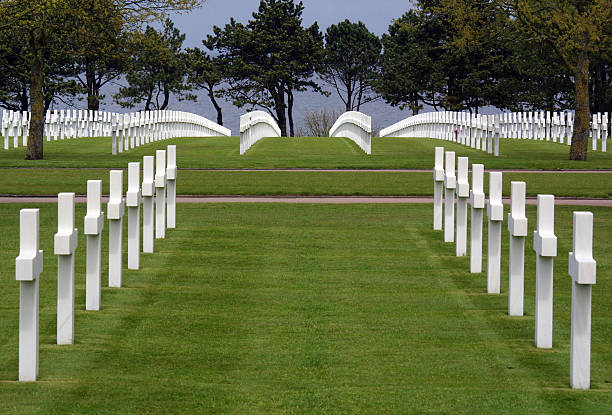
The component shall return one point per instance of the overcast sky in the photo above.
(377, 15)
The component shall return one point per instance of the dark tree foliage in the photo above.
(352, 57)
(580, 33)
(38, 22)
(405, 64)
(157, 69)
(102, 57)
(600, 86)
(269, 58)
(466, 54)
(425, 62)
(207, 73)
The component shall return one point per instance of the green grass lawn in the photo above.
(197, 182)
(223, 152)
(305, 309)
(89, 159)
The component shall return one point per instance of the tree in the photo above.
(36, 21)
(600, 88)
(576, 30)
(15, 74)
(32, 20)
(318, 123)
(269, 58)
(352, 55)
(535, 79)
(157, 68)
(99, 59)
(405, 64)
(207, 73)
(423, 61)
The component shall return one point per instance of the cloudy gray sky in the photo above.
(377, 15)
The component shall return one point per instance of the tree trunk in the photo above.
(414, 105)
(93, 101)
(166, 100)
(48, 101)
(349, 95)
(580, 139)
(290, 111)
(24, 100)
(598, 88)
(35, 137)
(360, 96)
(93, 90)
(148, 103)
(211, 95)
(279, 107)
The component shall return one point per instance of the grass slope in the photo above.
(223, 152)
(194, 182)
(305, 309)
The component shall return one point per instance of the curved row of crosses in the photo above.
(478, 131)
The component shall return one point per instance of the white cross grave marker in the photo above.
(93, 225)
(65, 243)
(582, 268)
(495, 213)
(594, 130)
(28, 267)
(545, 246)
(115, 133)
(438, 176)
(160, 194)
(450, 183)
(496, 139)
(517, 226)
(5, 129)
(477, 200)
(604, 132)
(171, 177)
(463, 194)
(115, 210)
(148, 211)
(133, 204)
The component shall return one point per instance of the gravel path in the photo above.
(309, 199)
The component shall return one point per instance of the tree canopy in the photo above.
(206, 72)
(156, 70)
(511, 54)
(38, 22)
(448, 54)
(577, 30)
(269, 58)
(352, 57)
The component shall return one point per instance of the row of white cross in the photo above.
(59, 124)
(582, 266)
(127, 130)
(133, 130)
(482, 131)
(29, 263)
(355, 126)
(254, 126)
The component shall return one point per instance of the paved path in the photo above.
(402, 170)
(310, 199)
(315, 170)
